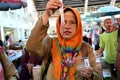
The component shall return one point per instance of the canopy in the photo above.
(105, 11)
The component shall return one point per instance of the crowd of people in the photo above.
(61, 57)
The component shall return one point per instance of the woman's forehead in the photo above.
(69, 15)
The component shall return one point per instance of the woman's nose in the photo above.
(67, 25)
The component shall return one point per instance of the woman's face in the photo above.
(68, 30)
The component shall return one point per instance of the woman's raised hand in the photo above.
(51, 7)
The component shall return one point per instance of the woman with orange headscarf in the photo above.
(66, 49)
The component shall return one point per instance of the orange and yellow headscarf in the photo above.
(75, 43)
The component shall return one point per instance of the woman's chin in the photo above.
(67, 37)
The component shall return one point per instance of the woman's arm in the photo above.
(87, 51)
(37, 44)
(93, 64)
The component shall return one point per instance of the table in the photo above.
(16, 55)
(107, 75)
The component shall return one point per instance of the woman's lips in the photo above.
(67, 32)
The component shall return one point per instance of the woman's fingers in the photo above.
(52, 5)
(86, 72)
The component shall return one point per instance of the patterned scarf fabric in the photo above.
(63, 55)
(68, 61)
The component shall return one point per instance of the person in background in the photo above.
(118, 51)
(108, 42)
(27, 63)
(21, 44)
(65, 49)
(115, 27)
(90, 38)
(118, 21)
(8, 43)
(7, 68)
(101, 30)
(85, 38)
(1, 43)
(96, 37)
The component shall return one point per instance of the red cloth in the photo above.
(13, 1)
(0, 0)
(1, 73)
(1, 49)
(17, 2)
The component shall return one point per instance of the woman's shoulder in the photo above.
(85, 44)
(85, 48)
